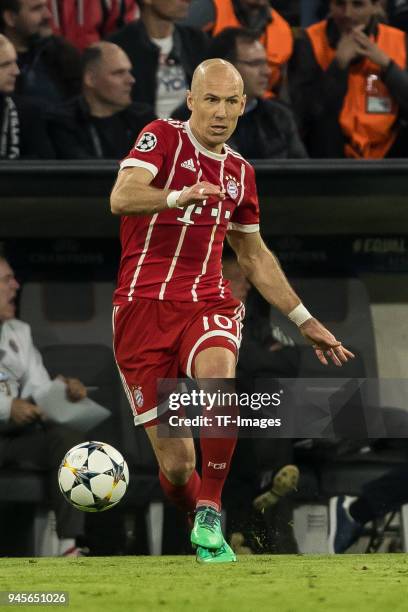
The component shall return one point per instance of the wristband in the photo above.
(299, 315)
(173, 197)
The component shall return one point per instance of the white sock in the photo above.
(65, 544)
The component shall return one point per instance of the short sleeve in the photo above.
(151, 147)
(245, 217)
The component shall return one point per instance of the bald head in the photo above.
(216, 101)
(213, 70)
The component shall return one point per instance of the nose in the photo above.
(16, 70)
(221, 109)
(15, 284)
(131, 79)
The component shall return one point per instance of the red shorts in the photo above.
(156, 339)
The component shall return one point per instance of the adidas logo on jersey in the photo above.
(189, 164)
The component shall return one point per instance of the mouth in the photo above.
(218, 129)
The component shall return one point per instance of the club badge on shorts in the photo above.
(138, 396)
(146, 142)
(232, 187)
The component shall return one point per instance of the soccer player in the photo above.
(180, 192)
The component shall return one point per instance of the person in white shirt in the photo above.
(27, 440)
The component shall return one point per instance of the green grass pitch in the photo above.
(349, 583)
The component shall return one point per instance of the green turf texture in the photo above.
(352, 583)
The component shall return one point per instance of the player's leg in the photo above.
(179, 479)
(209, 353)
(217, 441)
(217, 447)
(143, 333)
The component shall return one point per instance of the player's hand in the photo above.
(75, 390)
(196, 194)
(324, 343)
(368, 48)
(23, 412)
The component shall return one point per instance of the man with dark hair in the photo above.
(102, 122)
(24, 133)
(163, 53)
(50, 67)
(349, 84)
(267, 128)
(273, 31)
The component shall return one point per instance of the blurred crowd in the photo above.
(79, 79)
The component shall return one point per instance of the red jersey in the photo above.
(176, 254)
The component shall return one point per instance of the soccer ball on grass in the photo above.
(93, 476)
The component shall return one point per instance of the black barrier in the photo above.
(298, 197)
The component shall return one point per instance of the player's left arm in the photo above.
(262, 269)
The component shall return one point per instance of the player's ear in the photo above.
(243, 103)
(189, 100)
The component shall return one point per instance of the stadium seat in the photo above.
(68, 313)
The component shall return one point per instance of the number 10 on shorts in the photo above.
(219, 320)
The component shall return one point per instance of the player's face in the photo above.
(254, 68)
(33, 18)
(169, 10)
(8, 291)
(348, 14)
(8, 68)
(112, 80)
(216, 107)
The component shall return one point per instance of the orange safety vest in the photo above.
(277, 39)
(369, 114)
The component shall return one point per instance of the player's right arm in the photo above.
(155, 153)
(132, 194)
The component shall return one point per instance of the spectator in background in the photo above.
(102, 122)
(50, 68)
(349, 84)
(348, 515)
(275, 34)
(267, 128)
(27, 440)
(163, 53)
(83, 22)
(24, 133)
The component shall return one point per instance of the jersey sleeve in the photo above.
(245, 217)
(151, 147)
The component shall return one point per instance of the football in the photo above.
(93, 476)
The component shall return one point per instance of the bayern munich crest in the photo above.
(146, 142)
(138, 396)
(232, 187)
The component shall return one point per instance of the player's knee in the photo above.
(178, 471)
(215, 363)
(216, 369)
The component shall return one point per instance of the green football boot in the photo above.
(224, 554)
(207, 528)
